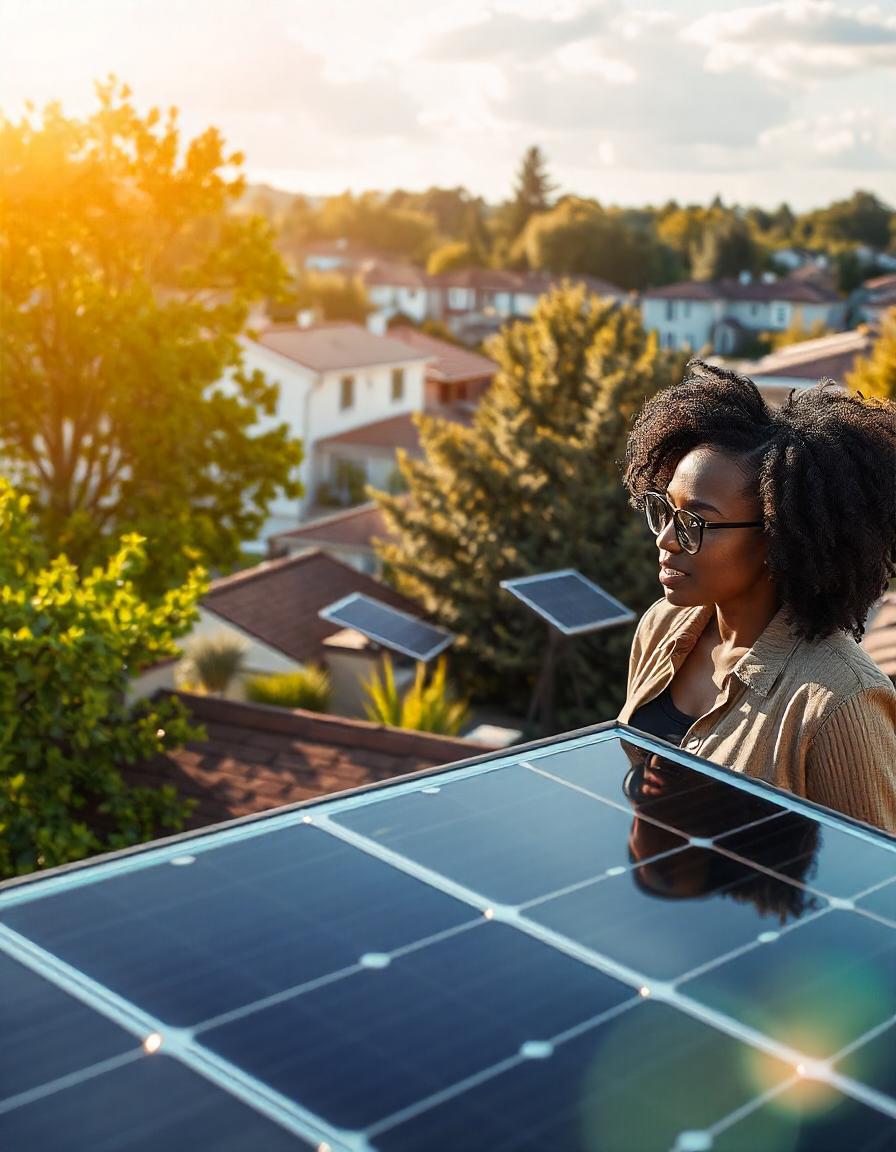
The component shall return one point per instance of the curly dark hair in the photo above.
(823, 466)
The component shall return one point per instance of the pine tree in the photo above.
(533, 190)
(534, 486)
(875, 374)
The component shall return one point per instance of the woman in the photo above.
(776, 532)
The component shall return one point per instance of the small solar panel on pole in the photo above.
(572, 605)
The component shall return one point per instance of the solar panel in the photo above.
(569, 601)
(593, 943)
(387, 626)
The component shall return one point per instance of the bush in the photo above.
(309, 688)
(424, 707)
(212, 662)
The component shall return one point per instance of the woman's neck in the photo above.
(741, 623)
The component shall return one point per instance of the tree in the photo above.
(68, 645)
(875, 374)
(126, 284)
(726, 248)
(333, 295)
(533, 190)
(368, 221)
(424, 707)
(862, 219)
(457, 254)
(534, 485)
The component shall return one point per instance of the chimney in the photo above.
(745, 277)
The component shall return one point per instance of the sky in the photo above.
(787, 100)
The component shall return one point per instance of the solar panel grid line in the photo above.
(454, 1090)
(70, 1080)
(388, 626)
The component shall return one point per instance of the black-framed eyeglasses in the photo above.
(689, 527)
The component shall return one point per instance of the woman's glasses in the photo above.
(689, 527)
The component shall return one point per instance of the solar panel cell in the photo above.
(569, 601)
(387, 626)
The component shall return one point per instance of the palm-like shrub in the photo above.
(426, 707)
(309, 688)
(212, 662)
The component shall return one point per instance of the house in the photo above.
(874, 298)
(330, 256)
(347, 535)
(804, 364)
(333, 378)
(396, 289)
(454, 375)
(466, 296)
(790, 260)
(272, 609)
(256, 757)
(723, 314)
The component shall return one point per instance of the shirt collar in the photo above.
(760, 667)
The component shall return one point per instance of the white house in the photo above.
(333, 378)
(875, 297)
(722, 314)
(395, 288)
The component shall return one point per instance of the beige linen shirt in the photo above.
(818, 719)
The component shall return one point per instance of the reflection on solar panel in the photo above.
(387, 626)
(580, 945)
(569, 601)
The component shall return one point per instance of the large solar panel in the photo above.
(569, 601)
(387, 626)
(593, 944)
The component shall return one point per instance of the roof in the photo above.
(834, 356)
(258, 757)
(880, 639)
(796, 291)
(392, 272)
(533, 283)
(351, 528)
(278, 601)
(450, 363)
(336, 347)
(877, 283)
(396, 431)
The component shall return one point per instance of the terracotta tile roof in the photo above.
(877, 283)
(787, 290)
(336, 347)
(833, 356)
(278, 601)
(352, 528)
(451, 363)
(880, 639)
(257, 757)
(395, 432)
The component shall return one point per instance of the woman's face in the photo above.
(729, 568)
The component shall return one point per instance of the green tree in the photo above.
(862, 219)
(533, 190)
(68, 645)
(875, 374)
(726, 248)
(368, 221)
(334, 296)
(126, 284)
(534, 485)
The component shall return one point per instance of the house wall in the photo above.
(310, 404)
(413, 302)
(681, 323)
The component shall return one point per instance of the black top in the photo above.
(660, 717)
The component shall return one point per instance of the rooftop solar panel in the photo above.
(593, 943)
(387, 626)
(569, 601)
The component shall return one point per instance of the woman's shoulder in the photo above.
(661, 618)
(840, 664)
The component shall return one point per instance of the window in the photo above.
(398, 383)
(754, 309)
(686, 309)
(346, 392)
(781, 314)
(670, 309)
(670, 339)
(458, 298)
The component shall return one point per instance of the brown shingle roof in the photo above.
(337, 347)
(451, 363)
(278, 601)
(834, 356)
(257, 757)
(351, 527)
